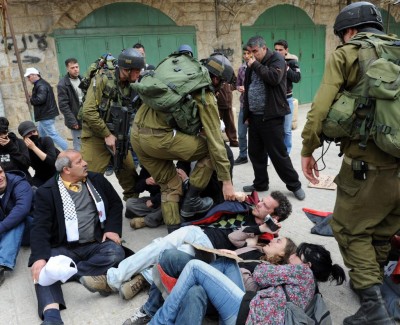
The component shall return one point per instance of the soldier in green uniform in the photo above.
(157, 144)
(110, 88)
(367, 209)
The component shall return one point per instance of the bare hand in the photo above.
(4, 140)
(310, 169)
(29, 143)
(110, 142)
(75, 127)
(182, 174)
(240, 89)
(149, 204)
(251, 61)
(228, 191)
(240, 196)
(112, 236)
(36, 268)
(150, 181)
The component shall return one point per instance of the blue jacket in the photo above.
(16, 202)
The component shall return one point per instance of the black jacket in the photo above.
(154, 190)
(272, 71)
(68, 101)
(293, 75)
(15, 156)
(43, 101)
(48, 227)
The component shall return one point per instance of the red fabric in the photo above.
(323, 214)
(168, 281)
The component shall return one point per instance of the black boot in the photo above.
(171, 228)
(193, 203)
(372, 311)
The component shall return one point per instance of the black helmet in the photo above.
(356, 14)
(131, 59)
(218, 65)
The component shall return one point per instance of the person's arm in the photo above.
(19, 153)
(40, 95)
(293, 73)
(22, 192)
(64, 103)
(273, 74)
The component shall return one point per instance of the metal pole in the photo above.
(21, 72)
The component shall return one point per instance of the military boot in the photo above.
(372, 311)
(193, 203)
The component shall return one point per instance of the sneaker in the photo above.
(240, 161)
(131, 288)
(97, 283)
(251, 188)
(2, 275)
(300, 194)
(138, 318)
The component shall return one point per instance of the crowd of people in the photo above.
(223, 255)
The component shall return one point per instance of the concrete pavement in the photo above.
(18, 301)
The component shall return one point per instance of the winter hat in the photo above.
(3, 125)
(25, 127)
(57, 268)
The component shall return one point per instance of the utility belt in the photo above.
(360, 167)
(148, 131)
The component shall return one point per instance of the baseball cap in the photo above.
(57, 268)
(30, 71)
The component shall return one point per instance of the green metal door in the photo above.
(112, 28)
(305, 39)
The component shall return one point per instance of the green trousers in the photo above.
(95, 153)
(366, 216)
(157, 150)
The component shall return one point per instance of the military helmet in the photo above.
(356, 14)
(218, 65)
(131, 59)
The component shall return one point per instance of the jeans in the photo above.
(288, 126)
(224, 294)
(10, 242)
(47, 128)
(148, 255)
(76, 139)
(242, 135)
(92, 259)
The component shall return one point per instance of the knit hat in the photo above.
(57, 268)
(25, 127)
(3, 125)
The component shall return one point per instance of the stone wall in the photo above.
(217, 27)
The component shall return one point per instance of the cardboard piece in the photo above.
(325, 183)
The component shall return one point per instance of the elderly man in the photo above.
(77, 214)
(16, 200)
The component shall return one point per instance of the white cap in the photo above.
(30, 71)
(57, 268)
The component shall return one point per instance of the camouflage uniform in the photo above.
(157, 145)
(367, 212)
(94, 129)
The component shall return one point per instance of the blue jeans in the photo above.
(224, 293)
(288, 126)
(242, 135)
(91, 259)
(10, 242)
(76, 139)
(47, 127)
(148, 255)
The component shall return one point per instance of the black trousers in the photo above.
(266, 138)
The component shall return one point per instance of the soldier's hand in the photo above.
(310, 169)
(110, 142)
(228, 191)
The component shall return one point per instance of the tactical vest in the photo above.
(371, 110)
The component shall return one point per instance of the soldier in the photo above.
(367, 207)
(157, 144)
(110, 90)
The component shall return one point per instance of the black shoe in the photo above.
(2, 275)
(241, 160)
(300, 194)
(193, 205)
(252, 188)
(372, 310)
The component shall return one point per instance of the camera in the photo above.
(270, 223)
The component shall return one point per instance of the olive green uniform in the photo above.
(367, 212)
(157, 145)
(94, 130)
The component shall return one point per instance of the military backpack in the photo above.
(371, 110)
(168, 89)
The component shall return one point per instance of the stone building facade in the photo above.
(217, 25)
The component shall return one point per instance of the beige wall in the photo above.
(34, 20)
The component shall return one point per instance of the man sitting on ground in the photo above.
(77, 214)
